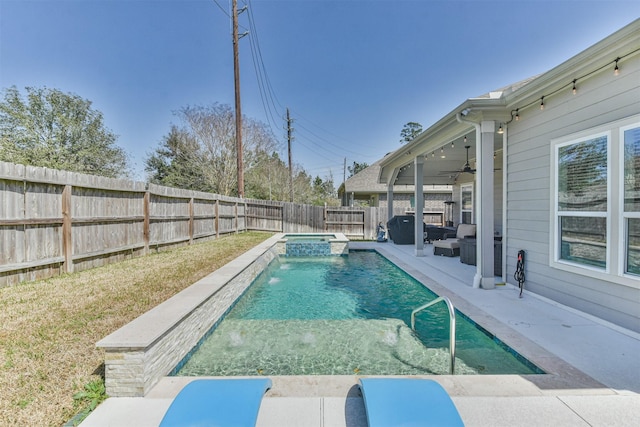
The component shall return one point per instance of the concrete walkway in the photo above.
(593, 367)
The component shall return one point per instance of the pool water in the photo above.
(343, 316)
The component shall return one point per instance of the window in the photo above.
(466, 204)
(631, 179)
(595, 227)
(582, 201)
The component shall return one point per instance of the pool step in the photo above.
(317, 347)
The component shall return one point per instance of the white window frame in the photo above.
(467, 187)
(622, 248)
(616, 217)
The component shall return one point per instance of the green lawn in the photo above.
(50, 327)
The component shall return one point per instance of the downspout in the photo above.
(478, 277)
(505, 138)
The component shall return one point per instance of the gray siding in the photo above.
(601, 99)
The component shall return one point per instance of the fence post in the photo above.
(146, 224)
(246, 220)
(191, 221)
(67, 243)
(236, 214)
(217, 219)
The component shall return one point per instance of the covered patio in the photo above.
(464, 149)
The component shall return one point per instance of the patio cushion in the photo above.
(465, 230)
(450, 246)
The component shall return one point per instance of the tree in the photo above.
(200, 154)
(324, 191)
(356, 167)
(177, 163)
(58, 130)
(409, 132)
(268, 178)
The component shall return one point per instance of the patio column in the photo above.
(389, 201)
(419, 204)
(485, 204)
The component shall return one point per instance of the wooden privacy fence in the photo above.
(54, 221)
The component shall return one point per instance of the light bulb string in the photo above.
(540, 100)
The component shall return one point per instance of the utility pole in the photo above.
(344, 183)
(289, 139)
(236, 79)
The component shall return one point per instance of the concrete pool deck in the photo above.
(595, 366)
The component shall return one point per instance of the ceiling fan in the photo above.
(466, 168)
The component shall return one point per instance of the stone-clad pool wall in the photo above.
(148, 348)
(143, 351)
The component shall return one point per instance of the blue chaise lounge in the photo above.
(217, 402)
(408, 402)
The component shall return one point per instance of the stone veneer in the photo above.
(339, 245)
(148, 348)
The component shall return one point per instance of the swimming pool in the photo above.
(342, 316)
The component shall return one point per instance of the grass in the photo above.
(50, 369)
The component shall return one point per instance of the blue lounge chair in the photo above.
(217, 402)
(407, 402)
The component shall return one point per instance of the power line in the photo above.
(266, 94)
(326, 141)
(222, 9)
(311, 141)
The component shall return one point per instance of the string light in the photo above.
(452, 146)
(465, 139)
(500, 130)
(442, 150)
(515, 114)
(433, 154)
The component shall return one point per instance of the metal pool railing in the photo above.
(452, 326)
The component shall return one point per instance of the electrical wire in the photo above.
(222, 9)
(308, 139)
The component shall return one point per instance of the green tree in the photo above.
(268, 178)
(356, 167)
(177, 163)
(409, 132)
(58, 130)
(324, 191)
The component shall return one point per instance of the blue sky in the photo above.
(352, 72)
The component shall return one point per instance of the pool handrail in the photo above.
(452, 326)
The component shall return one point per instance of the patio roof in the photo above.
(366, 182)
(443, 145)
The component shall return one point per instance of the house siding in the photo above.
(601, 99)
(497, 197)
